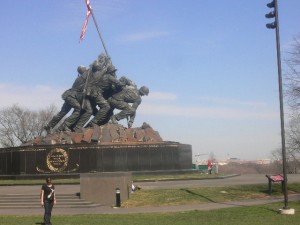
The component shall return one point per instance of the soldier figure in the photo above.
(89, 107)
(72, 98)
(80, 117)
(101, 88)
(121, 101)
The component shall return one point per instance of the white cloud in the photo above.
(206, 112)
(209, 107)
(39, 97)
(228, 101)
(35, 97)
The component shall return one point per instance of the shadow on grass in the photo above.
(202, 196)
(228, 203)
(41, 223)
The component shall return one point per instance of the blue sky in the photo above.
(210, 65)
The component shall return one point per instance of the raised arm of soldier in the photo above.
(114, 81)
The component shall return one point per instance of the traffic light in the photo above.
(271, 4)
(271, 14)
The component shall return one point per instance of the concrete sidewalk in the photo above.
(73, 189)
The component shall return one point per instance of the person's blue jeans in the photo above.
(48, 209)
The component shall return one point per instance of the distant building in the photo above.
(239, 161)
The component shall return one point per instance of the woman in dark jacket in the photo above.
(48, 200)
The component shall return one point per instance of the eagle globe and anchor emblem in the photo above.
(57, 161)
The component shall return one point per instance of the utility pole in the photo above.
(275, 25)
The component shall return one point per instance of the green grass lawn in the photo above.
(38, 182)
(136, 178)
(167, 197)
(252, 215)
(176, 176)
(261, 214)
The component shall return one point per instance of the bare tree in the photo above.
(292, 158)
(19, 125)
(292, 93)
(292, 75)
(293, 143)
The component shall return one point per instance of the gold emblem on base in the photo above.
(57, 160)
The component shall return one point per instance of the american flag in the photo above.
(88, 13)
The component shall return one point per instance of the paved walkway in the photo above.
(73, 189)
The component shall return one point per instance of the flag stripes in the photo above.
(88, 13)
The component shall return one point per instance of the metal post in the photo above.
(281, 108)
(98, 30)
(118, 197)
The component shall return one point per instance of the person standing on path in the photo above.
(48, 200)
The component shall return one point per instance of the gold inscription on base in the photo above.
(57, 160)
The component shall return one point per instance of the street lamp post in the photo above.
(275, 25)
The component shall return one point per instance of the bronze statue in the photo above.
(97, 91)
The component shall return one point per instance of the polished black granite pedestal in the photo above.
(86, 158)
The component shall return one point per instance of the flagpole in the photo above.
(98, 30)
